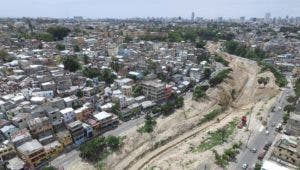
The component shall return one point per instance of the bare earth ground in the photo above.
(180, 130)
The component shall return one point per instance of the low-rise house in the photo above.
(107, 121)
(77, 132)
(7, 151)
(293, 124)
(16, 164)
(140, 99)
(64, 137)
(8, 130)
(38, 100)
(32, 152)
(71, 101)
(126, 90)
(124, 81)
(39, 126)
(68, 114)
(95, 126)
(57, 102)
(21, 137)
(83, 113)
(53, 149)
(88, 131)
(20, 120)
(147, 106)
(49, 86)
(54, 116)
(47, 94)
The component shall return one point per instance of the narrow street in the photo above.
(258, 137)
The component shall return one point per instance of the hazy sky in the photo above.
(147, 8)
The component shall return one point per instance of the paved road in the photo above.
(125, 126)
(259, 138)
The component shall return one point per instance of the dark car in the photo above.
(262, 155)
(253, 150)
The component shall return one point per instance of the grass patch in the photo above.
(228, 155)
(217, 79)
(218, 137)
(211, 115)
(221, 60)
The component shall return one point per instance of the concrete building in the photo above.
(293, 124)
(38, 126)
(154, 90)
(16, 164)
(68, 114)
(32, 152)
(53, 149)
(106, 120)
(287, 149)
(7, 151)
(76, 131)
(21, 137)
(64, 137)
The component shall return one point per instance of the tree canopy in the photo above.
(58, 32)
(71, 63)
(5, 56)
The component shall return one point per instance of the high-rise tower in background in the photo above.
(193, 17)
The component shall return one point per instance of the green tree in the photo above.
(137, 91)
(286, 117)
(114, 143)
(85, 59)
(45, 37)
(71, 63)
(217, 79)
(148, 126)
(207, 73)
(94, 149)
(289, 108)
(200, 44)
(199, 92)
(115, 64)
(108, 76)
(79, 93)
(91, 72)
(60, 47)
(257, 166)
(49, 168)
(58, 32)
(167, 109)
(5, 56)
(40, 46)
(116, 108)
(127, 39)
(76, 48)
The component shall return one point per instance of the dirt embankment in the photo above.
(141, 150)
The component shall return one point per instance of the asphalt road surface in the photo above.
(258, 138)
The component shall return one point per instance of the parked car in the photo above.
(262, 155)
(267, 145)
(253, 150)
(278, 127)
(245, 166)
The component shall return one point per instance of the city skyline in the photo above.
(153, 8)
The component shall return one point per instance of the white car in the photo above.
(267, 132)
(245, 166)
